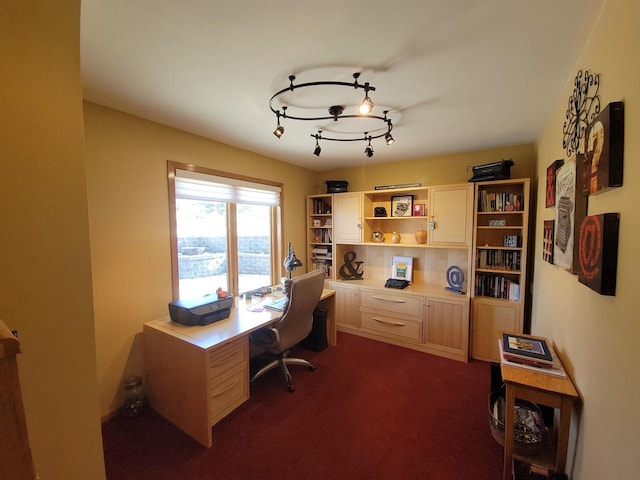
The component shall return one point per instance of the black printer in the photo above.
(202, 310)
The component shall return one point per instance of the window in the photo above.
(225, 231)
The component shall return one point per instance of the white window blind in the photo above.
(202, 186)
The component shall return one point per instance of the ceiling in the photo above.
(455, 75)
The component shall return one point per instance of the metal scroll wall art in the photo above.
(583, 106)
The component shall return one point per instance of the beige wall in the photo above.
(129, 217)
(45, 279)
(439, 170)
(598, 335)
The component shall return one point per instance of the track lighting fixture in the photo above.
(317, 150)
(369, 150)
(280, 129)
(335, 113)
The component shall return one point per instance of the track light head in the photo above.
(368, 151)
(388, 138)
(278, 131)
(317, 150)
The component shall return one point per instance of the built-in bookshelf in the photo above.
(501, 218)
(320, 233)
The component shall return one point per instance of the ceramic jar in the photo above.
(421, 236)
(395, 237)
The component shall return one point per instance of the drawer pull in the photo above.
(389, 300)
(233, 384)
(219, 361)
(397, 324)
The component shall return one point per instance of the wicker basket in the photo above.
(528, 428)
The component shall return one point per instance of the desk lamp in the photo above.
(291, 262)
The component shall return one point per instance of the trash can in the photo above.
(317, 339)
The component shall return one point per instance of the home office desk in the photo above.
(196, 375)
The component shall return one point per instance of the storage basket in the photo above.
(528, 428)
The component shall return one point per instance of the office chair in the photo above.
(294, 325)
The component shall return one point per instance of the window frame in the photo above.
(277, 216)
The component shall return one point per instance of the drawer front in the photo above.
(392, 326)
(228, 356)
(391, 302)
(227, 392)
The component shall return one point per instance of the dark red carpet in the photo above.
(369, 411)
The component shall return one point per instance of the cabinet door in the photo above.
(451, 210)
(347, 218)
(489, 319)
(447, 327)
(346, 305)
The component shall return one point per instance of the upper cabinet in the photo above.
(347, 217)
(419, 217)
(450, 220)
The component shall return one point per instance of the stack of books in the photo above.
(527, 350)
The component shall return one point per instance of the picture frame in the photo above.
(550, 200)
(402, 205)
(402, 268)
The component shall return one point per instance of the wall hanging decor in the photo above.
(604, 150)
(402, 205)
(550, 200)
(547, 240)
(583, 105)
(598, 247)
(565, 214)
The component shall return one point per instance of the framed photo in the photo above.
(547, 241)
(402, 206)
(402, 268)
(550, 199)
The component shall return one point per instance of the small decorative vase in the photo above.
(377, 236)
(395, 237)
(421, 236)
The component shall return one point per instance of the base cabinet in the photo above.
(489, 319)
(447, 327)
(417, 320)
(346, 305)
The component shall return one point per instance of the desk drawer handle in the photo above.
(227, 389)
(389, 300)
(397, 324)
(219, 361)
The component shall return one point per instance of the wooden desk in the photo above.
(196, 376)
(545, 389)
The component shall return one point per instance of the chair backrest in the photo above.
(304, 293)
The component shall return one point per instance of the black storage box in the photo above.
(336, 186)
(492, 171)
(201, 311)
(317, 339)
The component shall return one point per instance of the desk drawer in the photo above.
(227, 392)
(391, 302)
(228, 356)
(391, 326)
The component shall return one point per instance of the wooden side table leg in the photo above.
(563, 434)
(509, 414)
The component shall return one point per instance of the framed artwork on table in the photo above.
(402, 268)
(402, 205)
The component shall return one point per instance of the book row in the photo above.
(320, 208)
(499, 202)
(496, 286)
(498, 259)
(322, 235)
(322, 265)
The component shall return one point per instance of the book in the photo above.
(555, 369)
(526, 349)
